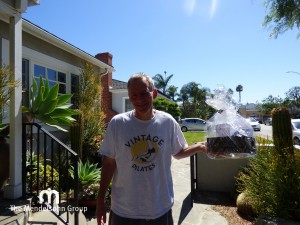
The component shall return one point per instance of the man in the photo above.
(138, 149)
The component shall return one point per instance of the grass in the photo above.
(193, 137)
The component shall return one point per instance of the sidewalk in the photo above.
(200, 214)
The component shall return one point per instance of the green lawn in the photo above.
(192, 137)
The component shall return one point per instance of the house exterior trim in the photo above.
(54, 40)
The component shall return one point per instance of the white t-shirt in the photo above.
(142, 183)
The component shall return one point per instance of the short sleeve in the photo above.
(179, 141)
(107, 147)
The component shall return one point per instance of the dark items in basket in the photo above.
(231, 146)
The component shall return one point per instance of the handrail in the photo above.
(42, 171)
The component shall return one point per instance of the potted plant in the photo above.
(89, 182)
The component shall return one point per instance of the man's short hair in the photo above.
(141, 76)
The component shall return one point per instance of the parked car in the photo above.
(254, 123)
(187, 124)
(268, 121)
(258, 119)
(296, 131)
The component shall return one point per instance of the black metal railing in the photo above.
(46, 165)
(193, 168)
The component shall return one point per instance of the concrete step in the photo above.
(14, 218)
(13, 211)
(46, 217)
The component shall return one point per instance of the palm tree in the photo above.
(161, 82)
(172, 92)
(239, 89)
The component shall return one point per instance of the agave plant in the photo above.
(89, 179)
(88, 173)
(47, 106)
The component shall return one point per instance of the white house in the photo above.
(33, 51)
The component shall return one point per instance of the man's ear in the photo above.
(155, 93)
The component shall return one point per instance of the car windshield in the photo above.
(297, 124)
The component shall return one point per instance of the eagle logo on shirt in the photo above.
(144, 151)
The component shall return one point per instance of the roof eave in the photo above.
(50, 38)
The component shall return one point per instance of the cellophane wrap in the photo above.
(229, 135)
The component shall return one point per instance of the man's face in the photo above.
(141, 95)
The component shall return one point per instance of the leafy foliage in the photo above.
(272, 186)
(48, 106)
(172, 92)
(6, 87)
(89, 104)
(167, 106)
(269, 103)
(239, 89)
(89, 178)
(34, 165)
(282, 15)
(193, 98)
(272, 180)
(161, 82)
(293, 94)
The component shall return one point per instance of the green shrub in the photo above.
(273, 187)
(52, 179)
(88, 102)
(89, 179)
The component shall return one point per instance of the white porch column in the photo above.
(14, 188)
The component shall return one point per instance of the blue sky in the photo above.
(212, 42)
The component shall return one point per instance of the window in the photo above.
(54, 77)
(74, 87)
(25, 82)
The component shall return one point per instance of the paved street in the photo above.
(266, 131)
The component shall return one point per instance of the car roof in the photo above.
(295, 120)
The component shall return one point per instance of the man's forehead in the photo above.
(142, 84)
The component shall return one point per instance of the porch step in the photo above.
(46, 217)
(12, 212)
(14, 218)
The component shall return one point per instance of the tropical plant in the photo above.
(47, 106)
(88, 177)
(239, 89)
(272, 180)
(193, 98)
(172, 92)
(282, 132)
(88, 102)
(6, 87)
(161, 82)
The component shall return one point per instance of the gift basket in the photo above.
(229, 135)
